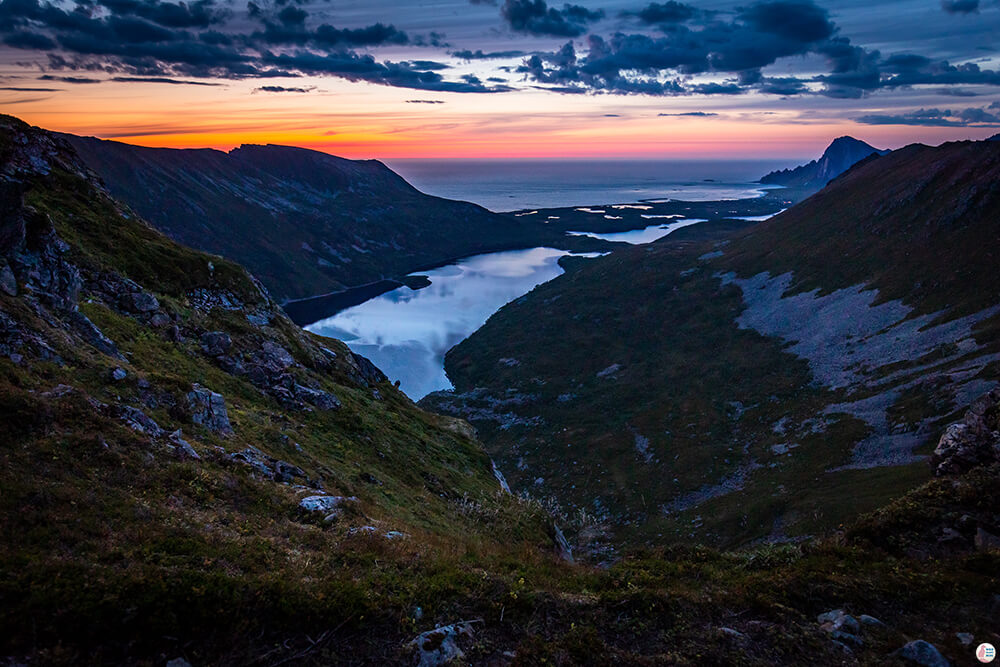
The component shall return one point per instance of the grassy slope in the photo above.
(920, 224)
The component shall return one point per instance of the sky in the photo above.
(711, 79)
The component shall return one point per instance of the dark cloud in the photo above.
(162, 79)
(757, 36)
(23, 39)
(960, 6)
(970, 117)
(68, 79)
(957, 92)
(537, 18)
(425, 101)
(665, 12)
(363, 67)
(149, 40)
(753, 37)
(200, 14)
(31, 90)
(282, 89)
(697, 114)
(479, 55)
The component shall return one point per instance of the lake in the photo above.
(407, 332)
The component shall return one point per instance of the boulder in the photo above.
(256, 459)
(216, 343)
(159, 320)
(138, 302)
(439, 647)
(209, 410)
(286, 472)
(973, 441)
(118, 374)
(268, 466)
(922, 653)
(838, 621)
(332, 506)
(321, 399)
(183, 448)
(275, 357)
(140, 422)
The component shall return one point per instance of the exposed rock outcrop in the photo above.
(439, 647)
(973, 441)
(208, 409)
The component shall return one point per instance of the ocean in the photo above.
(511, 185)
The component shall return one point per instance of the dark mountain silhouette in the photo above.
(839, 156)
(304, 222)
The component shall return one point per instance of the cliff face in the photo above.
(839, 156)
(304, 222)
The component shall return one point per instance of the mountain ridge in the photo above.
(842, 154)
(305, 222)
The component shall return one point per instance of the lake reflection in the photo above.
(406, 332)
(639, 236)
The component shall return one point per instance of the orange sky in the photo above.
(359, 120)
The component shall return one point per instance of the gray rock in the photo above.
(870, 621)
(8, 283)
(965, 638)
(159, 320)
(846, 638)
(92, 335)
(321, 399)
(973, 441)
(209, 410)
(215, 343)
(183, 447)
(256, 459)
(439, 647)
(838, 620)
(178, 662)
(736, 634)
(363, 372)
(275, 357)
(328, 504)
(138, 421)
(395, 535)
(922, 653)
(259, 319)
(138, 302)
(286, 472)
(118, 374)
(609, 371)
